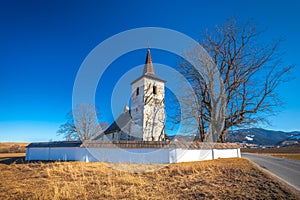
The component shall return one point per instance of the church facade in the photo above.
(145, 120)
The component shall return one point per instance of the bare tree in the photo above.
(249, 73)
(82, 123)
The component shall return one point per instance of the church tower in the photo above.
(148, 104)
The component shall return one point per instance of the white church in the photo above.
(145, 121)
(136, 136)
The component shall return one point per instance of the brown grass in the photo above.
(283, 150)
(293, 156)
(218, 179)
(13, 147)
(11, 155)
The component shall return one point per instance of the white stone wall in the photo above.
(189, 155)
(141, 155)
(226, 153)
(56, 153)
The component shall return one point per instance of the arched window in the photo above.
(137, 91)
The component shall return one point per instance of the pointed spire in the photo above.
(148, 68)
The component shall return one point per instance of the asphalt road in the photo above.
(284, 169)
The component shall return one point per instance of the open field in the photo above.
(284, 152)
(293, 156)
(12, 147)
(218, 179)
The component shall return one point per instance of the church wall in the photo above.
(137, 107)
(37, 154)
(125, 134)
(147, 109)
(190, 155)
(54, 153)
(130, 155)
(226, 153)
(154, 110)
(140, 156)
(107, 137)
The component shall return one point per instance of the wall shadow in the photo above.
(11, 160)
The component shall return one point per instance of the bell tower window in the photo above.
(154, 90)
(137, 91)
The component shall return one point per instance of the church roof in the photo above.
(117, 125)
(149, 69)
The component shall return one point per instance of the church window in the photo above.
(137, 91)
(154, 90)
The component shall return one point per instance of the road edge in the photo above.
(293, 188)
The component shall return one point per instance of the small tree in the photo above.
(82, 123)
(250, 72)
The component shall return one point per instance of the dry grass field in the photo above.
(273, 150)
(284, 152)
(12, 147)
(292, 156)
(217, 179)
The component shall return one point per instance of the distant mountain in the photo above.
(291, 141)
(261, 136)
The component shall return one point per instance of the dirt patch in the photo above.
(217, 179)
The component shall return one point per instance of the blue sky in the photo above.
(43, 43)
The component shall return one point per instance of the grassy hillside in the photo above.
(217, 179)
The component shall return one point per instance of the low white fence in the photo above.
(130, 155)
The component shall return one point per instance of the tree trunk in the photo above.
(223, 135)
